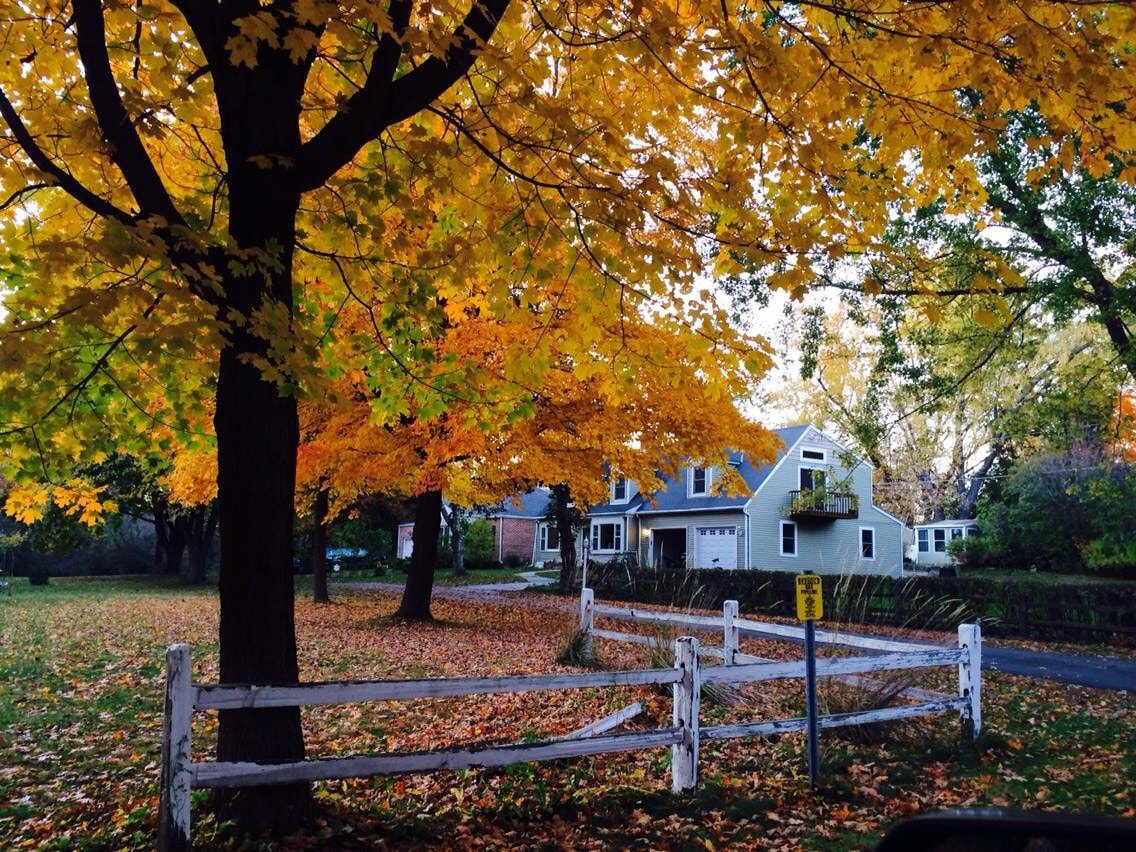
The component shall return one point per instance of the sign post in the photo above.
(810, 609)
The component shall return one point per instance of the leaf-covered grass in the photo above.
(81, 687)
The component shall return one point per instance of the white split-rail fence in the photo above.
(181, 773)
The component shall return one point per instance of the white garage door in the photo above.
(716, 547)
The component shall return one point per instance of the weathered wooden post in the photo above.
(970, 679)
(729, 633)
(587, 609)
(173, 819)
(587, 617)
(684, 755)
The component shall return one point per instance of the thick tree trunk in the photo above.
(563, 517)
(161, 532)
(175, 545)
(968, 499)
(257, 436)
(318, 556)
(202, 522)
(457, 544)
(420, 579)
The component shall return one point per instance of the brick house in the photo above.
(518, 525)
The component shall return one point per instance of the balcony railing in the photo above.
(822, 504)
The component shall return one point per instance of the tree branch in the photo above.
(127, 150)
(384, 101)
(64, 179)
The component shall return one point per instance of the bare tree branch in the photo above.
(128, 152)
(384, 100)
(64, 179)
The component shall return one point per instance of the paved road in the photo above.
(1082, 669)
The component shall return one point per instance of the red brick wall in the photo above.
(515, 538)
(517, 532)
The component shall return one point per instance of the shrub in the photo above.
(400, 563)
(1112, 556)
(514, 561)
(977, 551)
(478, 546)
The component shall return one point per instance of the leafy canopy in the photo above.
(565, 163)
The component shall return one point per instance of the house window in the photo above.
(698, 480)
(940, 541)
(956, 532)
(607, 537)
(867, 543)
(788, 538)
(619, 491)
(812, 479)
(814, 454)
(549, 537)
(924, 541)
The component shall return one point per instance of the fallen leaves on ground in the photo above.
(81, 682)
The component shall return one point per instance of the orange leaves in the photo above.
(192, 480)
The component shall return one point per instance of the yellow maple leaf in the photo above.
(26, 502)
(299, 41)
(242, 50)
(987, 319)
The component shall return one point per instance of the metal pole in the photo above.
(811, 702)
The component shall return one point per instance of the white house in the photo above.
(931, 540)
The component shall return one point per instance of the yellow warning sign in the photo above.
(809, 604)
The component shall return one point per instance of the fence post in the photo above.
(587, 604)
(173, 818)
(970, 679)
(684, 755)
(587, 617)
(729, 632)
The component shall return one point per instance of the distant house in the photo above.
(518, 526)
(931, 540)
(810, 509)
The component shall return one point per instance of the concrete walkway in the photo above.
(1090, 670)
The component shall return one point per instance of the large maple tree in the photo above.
(178, 175)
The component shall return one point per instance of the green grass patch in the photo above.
(441, 577)
(1041, 578)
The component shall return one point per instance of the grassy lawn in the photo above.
(555, 575)
(1041, 578)
(80, 702)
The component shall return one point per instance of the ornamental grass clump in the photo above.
(853, 605)
(578, 649)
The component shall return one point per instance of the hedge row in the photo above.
(1005, 607)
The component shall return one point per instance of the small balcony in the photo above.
(822, 505)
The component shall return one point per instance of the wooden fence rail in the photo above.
(180, 773)
(742, 668)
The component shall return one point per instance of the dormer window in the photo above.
(699, 480)
(619, 490)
